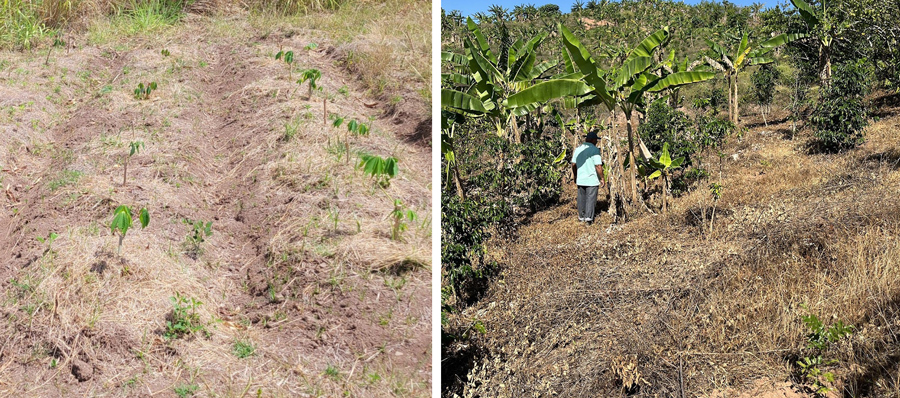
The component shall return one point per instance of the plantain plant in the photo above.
(288, 58)
(311, 75)
(381, 169)
(142, 92)
(135, 148)
(122, 222)
(663, 167)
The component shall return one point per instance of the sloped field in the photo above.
(303, 290)
(662, 306)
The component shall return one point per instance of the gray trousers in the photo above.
(587, 200)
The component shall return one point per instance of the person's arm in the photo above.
(574, 173)
(599, 169)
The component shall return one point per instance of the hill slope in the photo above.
(303, 290)
(660, 306)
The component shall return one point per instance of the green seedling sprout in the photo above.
(379, 168)
(165, 52)
(135, 148)
(48, 240)
(199, 232)
(143, 92)
(288, 58)
(312, 75)
(57, 42)
(401, 214)
(311, 46)
(122, 221)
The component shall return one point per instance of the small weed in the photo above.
(242, 349)
(310, 46)
(186, 390)
(165, 52)
(66, 177)
(344, 91)
(291, 129)
(185, 320)
(333, 372)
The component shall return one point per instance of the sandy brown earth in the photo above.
(662, 306)
(300, 264)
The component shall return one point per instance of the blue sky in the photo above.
(469, 7)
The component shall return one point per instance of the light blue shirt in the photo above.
(585, 158)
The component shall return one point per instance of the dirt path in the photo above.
(300, 264)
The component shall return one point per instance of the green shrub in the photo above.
(764, 81)
(665, 124)
(841, 112)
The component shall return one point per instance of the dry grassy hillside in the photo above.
(302, 290)
(661, 306)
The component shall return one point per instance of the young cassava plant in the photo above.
(401, 215)
(288, 58)
(381, 169)
(311, 75)
(122, 221)
(142, 92)
(135, 148)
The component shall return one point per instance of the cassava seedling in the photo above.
(199, 232)
(288, 58)
(122, 222)
(57, 42)
(135, 148)
(401, 214)
(143, 92)
(382, 170)
(311, 75)
(48, 240)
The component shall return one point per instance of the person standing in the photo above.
(587, 170)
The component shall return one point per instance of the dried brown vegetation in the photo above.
(661, 307)
(300, 264)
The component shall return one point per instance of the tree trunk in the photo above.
(728, 82)
(736, 107)
(825, 55)
(458, 182)
(632, 164)
(665, 186)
